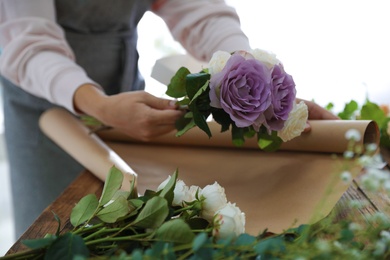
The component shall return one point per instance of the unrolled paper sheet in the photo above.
(275, 190)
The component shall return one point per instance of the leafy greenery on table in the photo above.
(123, 225)
(367, 111)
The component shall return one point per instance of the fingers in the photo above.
(155, 123)
(318, 112)
(160, 103)
(165, 117)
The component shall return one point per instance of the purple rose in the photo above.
(243, 90)
(283, 97)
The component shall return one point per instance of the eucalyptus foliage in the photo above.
(122, 225)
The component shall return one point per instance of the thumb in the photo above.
(161, 103)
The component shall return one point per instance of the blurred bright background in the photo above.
(336, 50)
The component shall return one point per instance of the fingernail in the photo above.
(173, 103)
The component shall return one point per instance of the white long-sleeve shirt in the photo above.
(36, 56)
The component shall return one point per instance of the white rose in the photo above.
(191, 194)
(268, 58)
(296, 122)
(180, 193)
(214, 199)
(218, 62)
(229, 221)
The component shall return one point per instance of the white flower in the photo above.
(214, 199)
(374, 161)
(191, 194)
(229, 221)
(346, 176)
(354, 226)
(385, 235)
(295, 123)
(353, 134)
(180, 192)
(323, 245)
(371, 181)
(218, 62)
(268, 58)
(386, 186)
(348, 154)
(371, 147)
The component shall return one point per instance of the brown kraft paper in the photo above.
(275, 190)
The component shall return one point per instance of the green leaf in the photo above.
(197, 223)
(57, 218)
(39, 243)
(111, 185)
(222, 118)
(238, 136)
(184, 124)
(177, 86)
(194, 82)
(200, 91)
(199, 241)
(329, 106)
(121, 193)
(371, 111)
(133, 194)
(269, 143)
(245, 240)
(184, 102)
(200, 119)
(176, 231)
(136, 203)
(67, 247)
(271, 245)
(153, 214)
(117, 209)
(167, 191)
(90, 121)
(84, 210)
(349, 110)
(346, 235)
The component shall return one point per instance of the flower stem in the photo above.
(114, 239)
(29, 254)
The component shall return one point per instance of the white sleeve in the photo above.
(204, 26)
(35, 54)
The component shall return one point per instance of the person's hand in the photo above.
(316, 112)
(138, 114)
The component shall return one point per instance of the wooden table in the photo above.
(374, 202)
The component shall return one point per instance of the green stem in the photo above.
(29, 254)
(183, 209)
(84, 228)
(114, 239)
(103, 230)
(186, 254)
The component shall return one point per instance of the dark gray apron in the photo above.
(103, 37)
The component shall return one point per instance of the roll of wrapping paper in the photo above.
(326, 136)
(86, 148)
(276, 190)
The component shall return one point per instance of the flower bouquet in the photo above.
(248, 92)
(122, 222)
